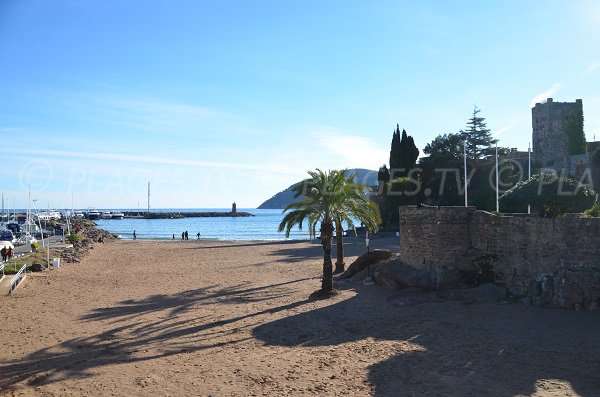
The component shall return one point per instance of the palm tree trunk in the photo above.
(326, 237)
(339, 242)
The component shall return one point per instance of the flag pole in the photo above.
(497, 198)
(466, 184)
(529, 173)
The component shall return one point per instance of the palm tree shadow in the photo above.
(133, 337)
(454, 349)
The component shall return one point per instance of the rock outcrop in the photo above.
(569, 288)
(365, 260)
(395, 274)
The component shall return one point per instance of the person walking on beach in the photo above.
(134, 236)
(9, 253)
(187, 236)
(198, 236)
(4, 255)
(173, 236)
(182, 236)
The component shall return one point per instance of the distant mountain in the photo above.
(282, 199)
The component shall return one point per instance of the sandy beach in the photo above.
(234, 319)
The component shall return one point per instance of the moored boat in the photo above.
(93, 214)
(117, 215)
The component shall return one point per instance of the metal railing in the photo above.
(17, 278)
(1, 270)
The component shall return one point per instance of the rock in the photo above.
(569, 288)
(368, 281)
(482, 293)
(395, 274)
(365, 260)
(36, 267)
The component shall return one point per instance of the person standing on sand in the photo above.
(198, 236)
(134, 236)
(187, 236)
(182, 236)
(173, 236)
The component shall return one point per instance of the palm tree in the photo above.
(328, 198)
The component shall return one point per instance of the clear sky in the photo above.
(222, 101)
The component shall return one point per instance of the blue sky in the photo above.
(222, 101)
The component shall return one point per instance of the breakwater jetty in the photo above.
(180, 215)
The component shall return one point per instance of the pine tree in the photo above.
(478, 137)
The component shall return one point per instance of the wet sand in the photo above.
(234, 319)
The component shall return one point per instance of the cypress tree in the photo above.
(395, 150)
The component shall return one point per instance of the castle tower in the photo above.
(549, 136)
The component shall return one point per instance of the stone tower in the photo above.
(549, 136)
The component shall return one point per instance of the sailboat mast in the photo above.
(148, 197)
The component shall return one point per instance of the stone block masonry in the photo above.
(521, 250)
(549, 136)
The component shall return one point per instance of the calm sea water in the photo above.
(262, 226)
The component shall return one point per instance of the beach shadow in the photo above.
(132, 337)
(454, 349)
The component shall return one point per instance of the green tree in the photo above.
(478, 137)
(573, 125)
(550, 196)
(329, 198)
(447, 145)
(403, 153)
(395, 150)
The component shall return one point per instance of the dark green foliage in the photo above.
(550, 196)
(403, 153)
(573, 125)
(403, 158)
(447, 145)
(478, 137)
(383, 175)
(401, 191)
(594, 211)
(395, 151)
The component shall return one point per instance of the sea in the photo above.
(262, 226)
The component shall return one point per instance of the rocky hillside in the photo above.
(283, 198)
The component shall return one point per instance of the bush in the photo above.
(550, 196)
(35, 247)
(73, 237)
(594, 211)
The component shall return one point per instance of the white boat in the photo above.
(117, 215)
(48, 215)
(93, 214)
(78, 215)
(106, 215)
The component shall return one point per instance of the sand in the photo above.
(234, 319)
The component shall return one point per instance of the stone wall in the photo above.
(549, 137)
(434, 238)
(520, 249)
